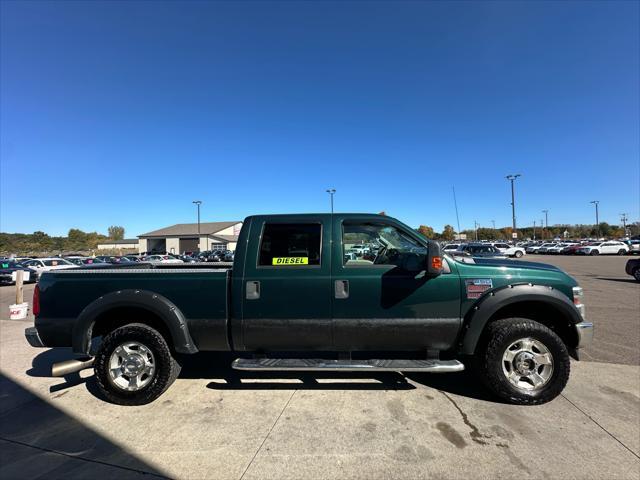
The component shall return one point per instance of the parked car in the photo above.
(483, 250)
(8, 269)
(556, 249)
(634, 246)
(571, 249)
(84, 260)
(162, 259)
(633, 268)
(187, 258)
(449, 247)
(604, 248)
(545, 247)
(47, 264)
(287, 292)
(533, 248)
(510, 250)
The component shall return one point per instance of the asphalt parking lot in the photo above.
(218, 423)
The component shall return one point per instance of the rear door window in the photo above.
(289, 245)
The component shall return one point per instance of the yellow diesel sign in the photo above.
(290, 261)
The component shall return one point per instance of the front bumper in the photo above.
(584, 331)
(32, 336)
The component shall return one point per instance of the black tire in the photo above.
(636, 274)
(518, 254)
(622, 251)
(167, 367)
(594, 252)
(489, 362)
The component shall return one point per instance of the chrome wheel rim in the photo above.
(132, 366)
(527, 364)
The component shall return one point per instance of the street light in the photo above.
(546, 221)
(475, 226)
(494, 229)
(596, 202)
(512, 178)
(623, 218)
(198, 203)
(331, 192)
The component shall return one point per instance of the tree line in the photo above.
(40, 242)
(555, 231)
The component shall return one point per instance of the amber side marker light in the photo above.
(436, 262)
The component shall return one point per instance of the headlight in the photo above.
(578, 295)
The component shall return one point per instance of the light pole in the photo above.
(494, 229)
(198, 203)
(475, 226)
(534, 230)
(546, 220)
(623, 219)
(512, 178)
(331, 192)
(596, 202)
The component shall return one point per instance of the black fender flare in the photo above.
(487, 305)
(160, 306)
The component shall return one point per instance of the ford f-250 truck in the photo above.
(319, 292)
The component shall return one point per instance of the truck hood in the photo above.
(492, 262)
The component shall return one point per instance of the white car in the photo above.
(545, 246)
(557, 248)
(604, 248)
(48, 264)
(162, 259)
(510, 250)
(451, 247)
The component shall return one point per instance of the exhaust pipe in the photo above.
(62, 369)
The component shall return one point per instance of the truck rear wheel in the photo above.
(134, 365)
(523, 361)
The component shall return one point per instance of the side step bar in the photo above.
(316, 365)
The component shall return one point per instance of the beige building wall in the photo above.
(142, 245)
(173, 245)
(232, 246)
(228, 230)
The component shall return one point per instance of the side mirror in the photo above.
(434, 260)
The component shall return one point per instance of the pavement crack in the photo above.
(267, 435)
(76, 457)
(475, 434)
(598, 424)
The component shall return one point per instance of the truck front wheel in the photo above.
(134, 365)
(523, 361)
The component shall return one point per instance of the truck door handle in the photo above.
(253, 290)
(341, 288)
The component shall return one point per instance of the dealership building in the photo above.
(184, 237)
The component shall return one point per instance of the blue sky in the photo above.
(123, 113)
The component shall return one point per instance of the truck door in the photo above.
(382, 297)
(287, 285)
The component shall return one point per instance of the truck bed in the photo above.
(198, 291)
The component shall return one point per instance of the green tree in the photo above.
(426, 231)
(448, 233)
(116, 232)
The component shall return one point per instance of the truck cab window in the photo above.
(290, 244)
(380, 244)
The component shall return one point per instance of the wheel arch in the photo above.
(113, 309)
(543, 304)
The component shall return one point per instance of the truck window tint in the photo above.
(379, 244)
(290, 244)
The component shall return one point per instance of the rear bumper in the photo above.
(32, 336)
(584, 331)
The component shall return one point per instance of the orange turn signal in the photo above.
(436, 263)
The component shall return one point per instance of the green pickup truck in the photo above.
(319, 292)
